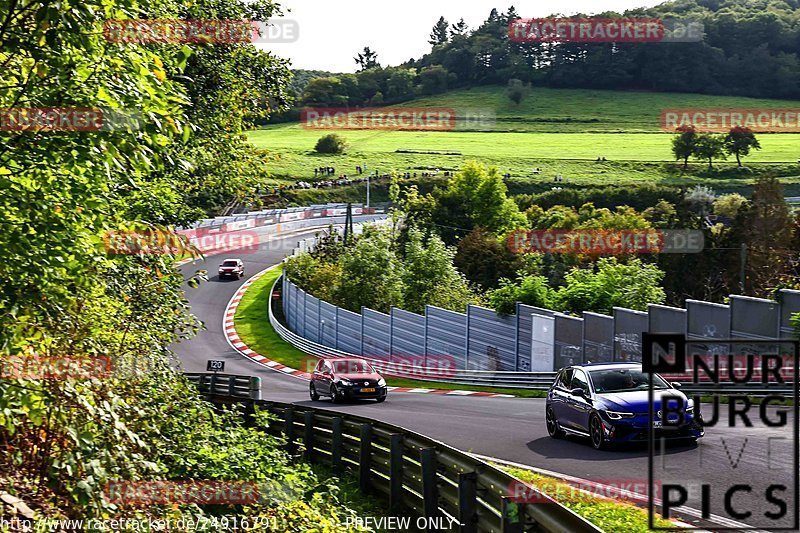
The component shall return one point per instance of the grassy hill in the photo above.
(581, 110)
(561, 131)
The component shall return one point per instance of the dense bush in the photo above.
(67, 297)
(640, 197)
(375, 271)
(333, 143)
(597, 287)
(485, 259)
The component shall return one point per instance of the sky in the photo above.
(332, 32)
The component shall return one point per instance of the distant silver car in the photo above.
(233, 268)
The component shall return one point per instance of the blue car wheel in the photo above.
(553, 429)
(596, 432)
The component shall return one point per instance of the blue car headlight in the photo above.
(618, 415)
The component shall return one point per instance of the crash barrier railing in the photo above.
(521, 380)
(245, 387)
(308, 244)
(488, 378)
(275, 216)
(533, 339)
(414, 473)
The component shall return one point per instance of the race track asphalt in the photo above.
(514, 428)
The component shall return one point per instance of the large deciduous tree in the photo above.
(372, 275)
(683, 144)
(708, 147)
(65, 294)
(739, 141)
(476, 196)
(430, 277)
(485, 259)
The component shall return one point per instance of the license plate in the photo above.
(367, 390)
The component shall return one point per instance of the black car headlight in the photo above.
(381, 382)
(618, 415)
(346, 382)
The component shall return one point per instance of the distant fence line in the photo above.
(294, 215)
(534, 339)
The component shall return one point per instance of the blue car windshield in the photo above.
(624, 379)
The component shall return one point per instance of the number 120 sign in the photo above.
(215, 366)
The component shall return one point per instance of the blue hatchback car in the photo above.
(608, 402)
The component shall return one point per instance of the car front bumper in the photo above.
(637, 430)
(355, 393)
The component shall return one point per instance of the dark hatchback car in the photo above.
(233, 268)
(346, 379)
(609, 403)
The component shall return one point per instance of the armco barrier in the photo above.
(227, 385)
(534, 339)
(521, 380)
(485, 378)
(413, 473)
(274, 216)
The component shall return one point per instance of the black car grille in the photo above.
(364, 382)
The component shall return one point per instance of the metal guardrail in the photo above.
(379, 208)
(486, 378)
(245, 387)
(498, 379)
(414, 473)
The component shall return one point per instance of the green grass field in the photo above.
(607, 514)
(561, 131)
(581, 110)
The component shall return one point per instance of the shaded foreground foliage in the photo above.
(121, 412)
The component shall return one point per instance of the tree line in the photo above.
(688, 142)
(463, 227)
(749, 49)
